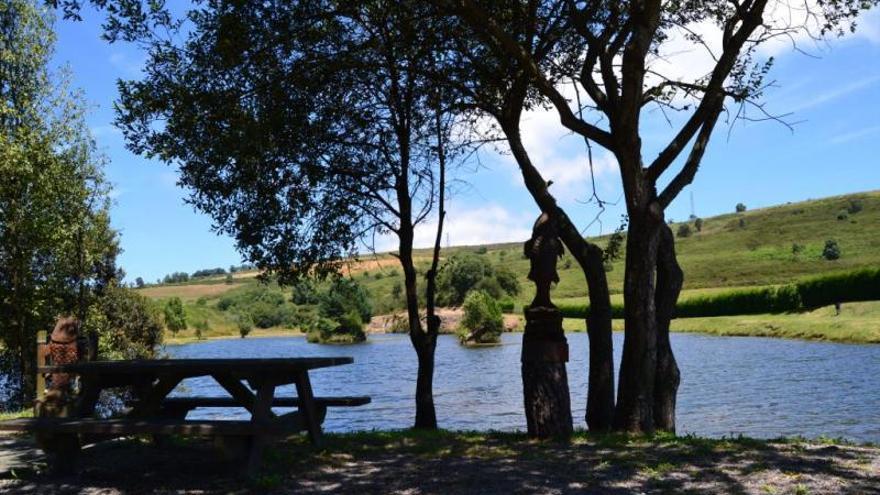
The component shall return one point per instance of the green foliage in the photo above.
(855, 205)
(481, 250)
(304, 292)
(57, 247)
(859, 285)
(201, 327)
(742, 302)
(228, 280)
(614, 246)
(482, 321)
(244, 323)
(698, 224)
(176, 278)
(506, 305)
(348, 329)
(842, 214)
(343, 296)
(796, 248)
(740, 207)
(175, 316)
(684, 230)
(129, 326)
(139, 282)
(831, 251)
(824, 290)
(464, 272)
(208, 272)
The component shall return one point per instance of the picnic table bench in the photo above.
(251, 384)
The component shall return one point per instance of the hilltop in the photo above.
(760, 247)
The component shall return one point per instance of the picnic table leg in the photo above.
(261, 414)
(307, 407)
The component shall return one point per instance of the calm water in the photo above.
(757, 387)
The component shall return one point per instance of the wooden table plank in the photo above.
(198, 367)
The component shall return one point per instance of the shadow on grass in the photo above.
(482, 462)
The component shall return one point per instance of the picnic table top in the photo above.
(198, 366)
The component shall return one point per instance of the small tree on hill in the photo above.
(482, 321)
(831, 251)
(740, 207)
(175, 315)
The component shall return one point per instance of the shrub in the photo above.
(481, 250)
(129, 325)
(684, 230)
(482, 321)
(202, 301)
(342, 296)
(740, 207)
(842, 214)
(698, 224)
(245, 324)
(209, 272)
(742, 223)
(397, 290)
(608, 266)
(175, 316)
(855, 206)
(741, 302)
(201, 326)
(506, 305)
(566, 264)
(859, 285)
(229, 279)
(348, 329)
(378, 275)
(304, 292)
(831, 251)
(465, 272)
(796, 248)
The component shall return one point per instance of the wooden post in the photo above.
(41, 361)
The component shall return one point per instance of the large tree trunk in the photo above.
(669, 282)
(545, 380)
(600, 388)
(635, 394)
(426, 416)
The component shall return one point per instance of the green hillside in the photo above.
(753, 248)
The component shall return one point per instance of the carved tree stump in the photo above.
(545, 380)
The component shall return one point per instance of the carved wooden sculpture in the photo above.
(545, 349)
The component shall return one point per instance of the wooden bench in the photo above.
(251, 384)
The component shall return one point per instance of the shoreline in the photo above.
(764, 326)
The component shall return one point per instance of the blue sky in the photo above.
(834, 94)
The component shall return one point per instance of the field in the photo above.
(760, 247)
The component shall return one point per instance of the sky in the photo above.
(832, 92)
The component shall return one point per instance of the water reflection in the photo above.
(730, 385)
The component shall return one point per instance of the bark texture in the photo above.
(545, 379)
(669, 282)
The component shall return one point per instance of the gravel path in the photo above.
(503, 464)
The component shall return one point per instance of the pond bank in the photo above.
(473, 462)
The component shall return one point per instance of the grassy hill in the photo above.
(752, 248)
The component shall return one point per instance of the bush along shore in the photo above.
(484, 462)
(803, 295)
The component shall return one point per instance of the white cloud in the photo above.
(100, 131)
(854, 135)
(470, 225)
(126, 64)
(836, 93)
(560, 156)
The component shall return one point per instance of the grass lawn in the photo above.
(410, 462)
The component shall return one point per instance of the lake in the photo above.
(757, 387)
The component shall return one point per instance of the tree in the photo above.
(343, 296)
(303, 140)
(57, 249)
(175, 315)
(698, 224)
(482, 321)
(740, 207)
(605, 50)
(128, 325)
(139, 283)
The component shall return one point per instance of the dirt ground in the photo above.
(485, 463)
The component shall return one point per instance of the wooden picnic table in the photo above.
(251, 384)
